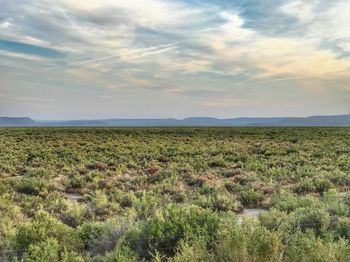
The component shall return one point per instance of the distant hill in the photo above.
(337, 120)
(16, 121)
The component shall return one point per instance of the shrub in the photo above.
(10, 217)
(89, 231)
(248, 242)
(285, 201)
(32, 186)
(108, 239)
(251, 198)
(75, 182)
(218, 202)
(121, 253)
(223, 202)
(194, 251)
(164, 231)
(232, 173)
(307, 185)
(127, 200)
(45, 227)
(75, 215)
(306, 218)
(273, 219)
(44, 251)
(343, 228)
(307, 247)
(322, 185)
(218, 162)
(49, 250)
(101, 205)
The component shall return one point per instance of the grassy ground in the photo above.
(127, 194)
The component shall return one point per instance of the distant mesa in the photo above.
(16, 121)
(336, 120)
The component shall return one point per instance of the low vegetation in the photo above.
(174, 194)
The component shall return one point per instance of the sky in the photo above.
(85, 59)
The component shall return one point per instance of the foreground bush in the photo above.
(174, 223)
(49, 250)
(43, 228)
(307, 247)
(249, 242)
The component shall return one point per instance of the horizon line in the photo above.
(172, 118)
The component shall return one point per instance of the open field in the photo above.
(174, 194)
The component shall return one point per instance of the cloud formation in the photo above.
(174, 54)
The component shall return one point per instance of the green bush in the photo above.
(315, 219)
(45, 227)
(121, 253)
(127, 200)
(306, 186)
(193, 251)
(288, 202)
(343, 228)
(248, 242)
(88, 232)
(307, 247)
(218, 202)
(174, 223)
(273, 219)
(323, 185)
(75, 215)
(101, 205)
(49, 250)
(75, 182)
(32, 186)
(43, 251)
(107, 240)
(251, 198)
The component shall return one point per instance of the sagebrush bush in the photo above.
(32, 186)
(249, 242)
(251, 198)
(49, 250)
(45, 227)
(307, 247)
(305, 219)
(343, 228)
(193, 251)
(173, 223)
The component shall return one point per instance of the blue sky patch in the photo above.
(22, 48)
